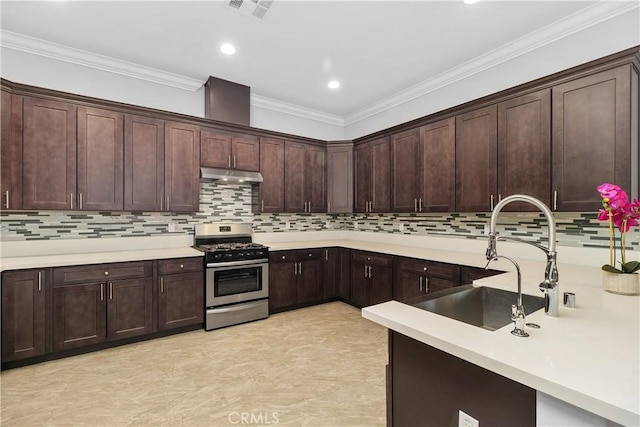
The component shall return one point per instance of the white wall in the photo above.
(595, 42)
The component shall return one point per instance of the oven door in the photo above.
(236, 281)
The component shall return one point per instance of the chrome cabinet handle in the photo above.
(370, 206)
(181, 265)
(295, 268)
(161, 203)
(499, 197)
(299, 268)
(555, 200)
(39, 281)
(370, 269)
(80, 204)
(229, 162)
(326, 254)
(415, 205)
(6, 198)
(101, 291)
(426, 285)
(420, 204)
(168, 200)
(234, 162)
(328, 207)
(72, 201)
(106, 273)
(309, 206)
(262, 206)
(110, 290)
(365, 271)
(421, 279)
(162, 285)
(492, 202)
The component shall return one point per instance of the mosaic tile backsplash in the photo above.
(229, 202)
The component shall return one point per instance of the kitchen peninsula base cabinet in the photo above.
(427, 387)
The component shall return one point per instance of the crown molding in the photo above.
(35, 46)
(558, 30)
(295, 110)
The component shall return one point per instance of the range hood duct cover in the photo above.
(217, 174)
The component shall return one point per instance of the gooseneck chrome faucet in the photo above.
(549, 286)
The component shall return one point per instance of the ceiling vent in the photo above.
(253, 8)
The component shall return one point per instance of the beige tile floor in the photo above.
(318, 366)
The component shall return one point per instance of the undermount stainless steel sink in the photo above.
(487, 308)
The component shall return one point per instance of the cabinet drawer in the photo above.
(372, 258)
(431, 268)
(101, 272)
(180, 265)
(283, 256)
(310, 254)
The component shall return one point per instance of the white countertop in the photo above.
(58, 253)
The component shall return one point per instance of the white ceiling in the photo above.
(376, 49)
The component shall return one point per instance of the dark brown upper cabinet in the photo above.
(405, 171)
(269, 195)
(305, 182)
(221, 150)
(476, 160)
(423, 168)
(100, 159)
(372, 176)
(144, 164)
(182, 167)
(340, 177)
(524, 148)
(49, 154)
(11, 152)
(593, 119)
(437, 166)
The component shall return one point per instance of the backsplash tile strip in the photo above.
(232, 203)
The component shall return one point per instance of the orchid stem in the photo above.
(611, 237)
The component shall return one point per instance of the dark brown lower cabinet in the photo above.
(103, 302)
(180, 300)
(23, 314)
(371, 278)
(344, 273)
(330, 258)
(427, 387)
(295, 278)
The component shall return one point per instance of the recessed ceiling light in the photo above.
(228, 49)
(471, 1)
(334, 84)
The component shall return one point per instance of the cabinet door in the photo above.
(100, 160)
(49, 154)
(408, 284)
(524, 148)
(282, 284)
(143, 164)
(246, 152)
(23, 314)
(11, 152)
(591, 127)
(271, 189)
(129, 308)
(79, 315)
(405, 172)
(344, 273)
(362, 176)
(381, 284)
(330, 278)
(340, 178)
(309, 281)
(316, 179)
(476, 160)
(215, 149)
(437, 179)
(294, 177)
(182, 167)
(180, 300)
(380, 175)
(360, 284)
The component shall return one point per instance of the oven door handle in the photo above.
(235, 307)
(234, 263)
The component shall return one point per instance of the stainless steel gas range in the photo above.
(236, 274)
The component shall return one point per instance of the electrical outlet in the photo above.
(287, 225)
(355, 225)
(400, 226)
(173, 227)
(466, 420)
(327, 224)
(486, 229)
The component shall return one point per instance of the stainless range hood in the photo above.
(218, 174)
